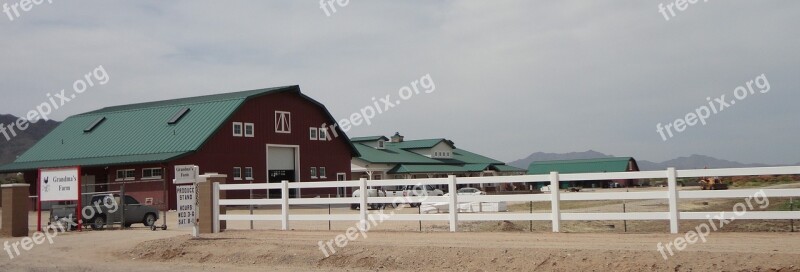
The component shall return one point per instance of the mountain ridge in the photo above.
(11, 148)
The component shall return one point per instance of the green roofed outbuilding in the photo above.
(599, 165)
(395, 158)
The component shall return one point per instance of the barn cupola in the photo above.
(397, 138)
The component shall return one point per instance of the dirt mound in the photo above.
(213, 250)
(508, 226)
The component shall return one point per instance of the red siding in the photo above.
(223, 151)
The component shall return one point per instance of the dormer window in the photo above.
(381, 144)
(442, 154)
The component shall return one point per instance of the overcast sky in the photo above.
(512, 77)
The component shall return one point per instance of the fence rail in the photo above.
(672, 195)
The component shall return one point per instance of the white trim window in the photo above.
(283, 122)
(322, 173)
(381, 144)
(313, 172)
(126, 174)
(248, 173)
(442, 154)
(313, 134)
(152, 173)
(237, 173)
(237, 129)
(323, 134)
(249, 130)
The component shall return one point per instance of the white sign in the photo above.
(186, 174)
(59, 184)
(187, 205)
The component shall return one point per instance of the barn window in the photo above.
(249, 130)
(312, 133)
(283, 122)
(126, 174)
(313, 172)
(248, 173)
(237, 129)
(323, 134)
(152, 173)
(322, 172)
(381, 144)
(237, 173)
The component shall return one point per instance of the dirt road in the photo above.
(173, 250)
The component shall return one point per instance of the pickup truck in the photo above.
(370, 193)
(421, 191)
(411, 190)
(103, 209)
(394, 191)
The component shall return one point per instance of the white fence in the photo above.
(672, 194)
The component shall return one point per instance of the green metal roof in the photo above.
(438, 168)
(480, 167)
(507, 168)
(391, 154)
(469, 157)
(369, 139)
(580, 166)
(193, 100)
(410, 162)
(429, 143)
(106, 161)
(138, 133)
(426, 168)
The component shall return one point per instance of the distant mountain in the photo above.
(695, 162)
(541, 156)
(691, 162)
(10, 149)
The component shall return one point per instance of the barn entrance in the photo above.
(282, 164)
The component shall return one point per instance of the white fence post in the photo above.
(215, 208)
(555, 198)
(363, 207)
(674, 213)
(285, 205)
(453, 203)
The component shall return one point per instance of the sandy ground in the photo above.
(399, 246)
(174, 250)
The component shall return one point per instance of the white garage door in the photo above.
(280, 158)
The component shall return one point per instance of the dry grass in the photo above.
(565, 205)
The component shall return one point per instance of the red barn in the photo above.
(265, 135)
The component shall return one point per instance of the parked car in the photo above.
(468, 191)
(370, 193)
(109, 212)
(421, 190)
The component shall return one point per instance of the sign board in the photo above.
(186, 174)
(187, 205)
(59, 184)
